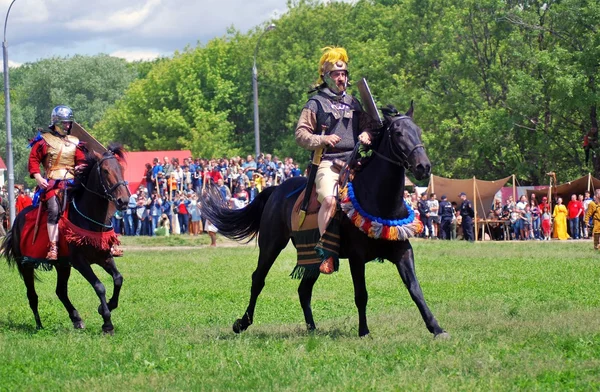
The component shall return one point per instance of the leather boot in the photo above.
(327, 266)
(115, 251)
(53, 252)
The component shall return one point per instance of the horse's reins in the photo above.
(108, 192)
(401, 156)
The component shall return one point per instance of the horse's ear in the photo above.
(410, 111)
(97, 155)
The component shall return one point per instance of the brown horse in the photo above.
(97, 192)
(378, 187)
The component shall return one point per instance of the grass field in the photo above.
(522, 316)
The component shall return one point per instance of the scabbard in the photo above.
(37, 222)
(316, 161)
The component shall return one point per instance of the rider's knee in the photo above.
(53, 210)
(328, 202)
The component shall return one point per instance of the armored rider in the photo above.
(334, 120)
(61, 154)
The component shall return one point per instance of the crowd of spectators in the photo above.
(526, 219)
(171, 190)
(533, 219)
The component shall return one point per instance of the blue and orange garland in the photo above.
(375, 227)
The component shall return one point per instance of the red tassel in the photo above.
(78, 236)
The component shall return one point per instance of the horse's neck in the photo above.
(379, 189)
(94, 207)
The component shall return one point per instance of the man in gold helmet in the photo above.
(334, 120)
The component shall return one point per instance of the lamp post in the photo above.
(9, 149)
(255, 90)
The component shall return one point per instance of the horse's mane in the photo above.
(91, 158)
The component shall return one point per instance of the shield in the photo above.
(368, 101)
(90, 142)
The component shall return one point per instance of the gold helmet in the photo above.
(333, 59)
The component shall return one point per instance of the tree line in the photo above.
(500, 86)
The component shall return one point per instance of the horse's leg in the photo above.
(270, 247)
(406, 267)
(63, 273)
(305, 294)
(357, 270)
(111, 268)
(85, 269)
(28, 274)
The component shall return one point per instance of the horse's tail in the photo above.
(235, 224)
(7, 250)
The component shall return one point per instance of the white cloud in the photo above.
(136, 55)
(119, 20)
(45, 28)
(11, 64)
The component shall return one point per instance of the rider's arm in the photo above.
(79, 155)
(305, 131)
(36, 156)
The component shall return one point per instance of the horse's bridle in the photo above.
(108, 191)
(402, 158)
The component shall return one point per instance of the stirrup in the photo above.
(115, 251)
(53, 252)
(327, 266)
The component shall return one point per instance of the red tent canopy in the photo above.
(136, 164)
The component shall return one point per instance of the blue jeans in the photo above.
(154, 224)
(536, 227)
(574, 227)
(517, 226)
(116, 225)
(183, 223)
(128, 221)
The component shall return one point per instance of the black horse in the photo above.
(378, 187)
(98, 191)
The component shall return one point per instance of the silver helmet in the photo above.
(61, 119)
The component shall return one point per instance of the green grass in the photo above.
(522, 316)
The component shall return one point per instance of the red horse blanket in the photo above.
(35, 251)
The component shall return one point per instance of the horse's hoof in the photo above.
(109, 332)
(311, 327)
(237, 326)
(78, 325)
(363, 334)
(442, 336)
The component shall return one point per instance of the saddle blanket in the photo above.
(311, 247)
(35, 251)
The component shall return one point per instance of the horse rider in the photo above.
(467, 214)
(61, 154)
(332, 120)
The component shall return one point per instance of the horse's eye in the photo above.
(105, 171)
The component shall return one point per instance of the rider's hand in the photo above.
(41, 181)
(364, 138)
(331, 140)
(79, 168)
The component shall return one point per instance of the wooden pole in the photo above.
(475, 207)
(432, 184)
(589, 181)
(514, 180)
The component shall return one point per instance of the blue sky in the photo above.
(131, 29)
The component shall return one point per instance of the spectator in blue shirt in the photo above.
(249, 167)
